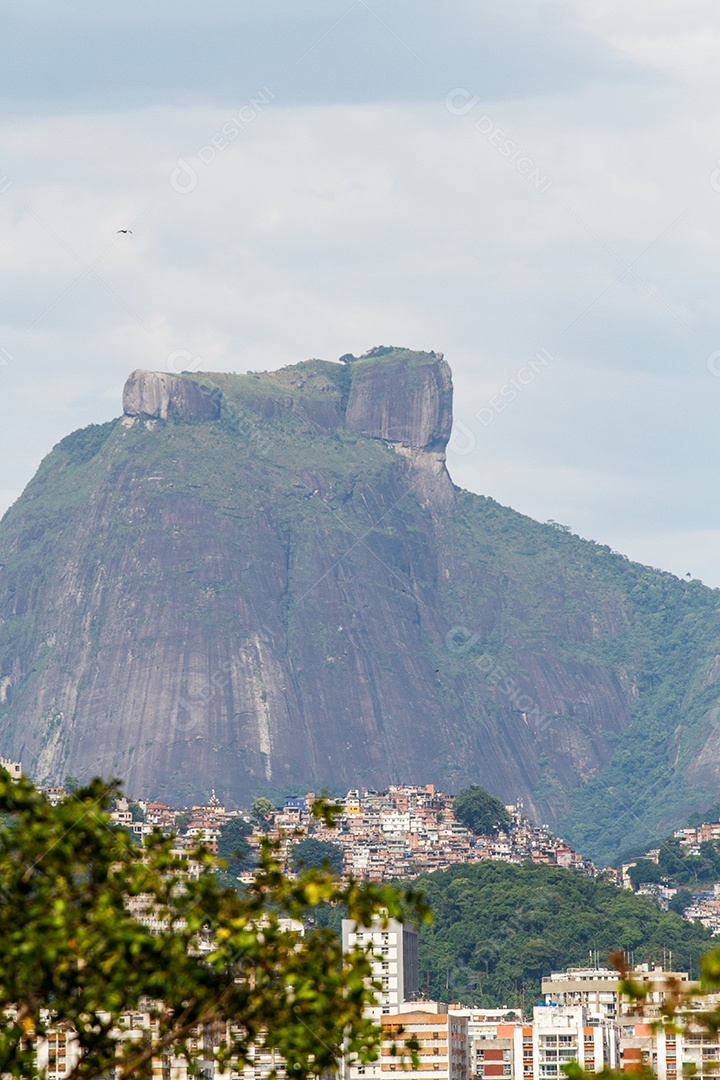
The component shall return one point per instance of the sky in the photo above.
(532, 189)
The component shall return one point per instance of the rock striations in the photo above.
(268, 582)
(155, 395)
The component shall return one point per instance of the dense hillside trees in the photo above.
(480, 812)
(233, 845)
(317, 854)
(676, 866)
(499, 928)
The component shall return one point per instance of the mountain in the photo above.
(268, 582)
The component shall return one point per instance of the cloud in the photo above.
(497, 215)
(323, 52)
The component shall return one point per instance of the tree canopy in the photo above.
(498, 928)
(262, 809)
(480, 812)
(233, 844)
(91, 926)
(312, 853)
(676, 866)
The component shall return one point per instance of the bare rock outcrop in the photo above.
(155, 395)
(406, 399)
(402, 397)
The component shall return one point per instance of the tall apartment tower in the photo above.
(394, 962)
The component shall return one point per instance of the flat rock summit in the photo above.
(267, 583)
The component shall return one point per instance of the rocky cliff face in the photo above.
(405, 399)
(267, 581)
(402, 397)
(154, 395)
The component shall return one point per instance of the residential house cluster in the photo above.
(401, 832)
(705, 906)
(408, 830)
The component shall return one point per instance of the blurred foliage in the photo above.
(71, 943)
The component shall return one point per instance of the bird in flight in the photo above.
(125, 231)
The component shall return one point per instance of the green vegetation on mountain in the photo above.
(262, 810)
(658, 644)
(233, 846)
(498, 929)
(480, 812)
(267, 582)
(702, 816)
(318, 855)
(676, 866)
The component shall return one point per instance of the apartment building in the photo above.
(442, 1039)
(394, 961)
(563, 1033)
(597, 989)
(692, 1052)
(499, 1044)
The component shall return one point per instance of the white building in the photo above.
(563, 1033)
(597, 989)
(12, 767)
(394, 961)
(499, 1044)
